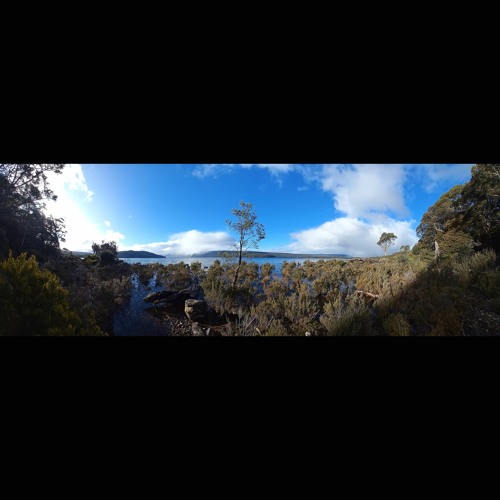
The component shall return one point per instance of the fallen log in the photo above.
(366, 295)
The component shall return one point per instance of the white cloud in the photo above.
(71, 178)
(71, 188)
(188, 243)
(352, 236)
(358, 190)
(364, 190)
(107, 223)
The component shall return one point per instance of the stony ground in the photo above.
(480, 318)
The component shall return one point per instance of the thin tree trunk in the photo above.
(238, 268)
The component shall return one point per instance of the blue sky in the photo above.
(181, 209)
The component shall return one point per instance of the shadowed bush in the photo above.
(352, 318)
(397, 325)
(33, 302)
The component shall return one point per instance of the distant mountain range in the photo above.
(272, 255)
(127, 254)
(134, 254)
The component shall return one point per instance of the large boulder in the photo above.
(196, 310)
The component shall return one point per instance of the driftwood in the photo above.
(367, 295)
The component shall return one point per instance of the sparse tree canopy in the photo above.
(386, 240)
(249, 231)
(23, 191)
(105, 246)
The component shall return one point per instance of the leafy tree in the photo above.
(478, 207)
(438, 218)
(33, 302)
(23, 190)
(29, 181)
(106, 251)
(249, 231)
(386, 240)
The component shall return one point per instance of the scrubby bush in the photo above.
(244, 325)
(276, 328)
(397, 325)
(482, 261)
(222, 295)
(33, 302)
(350, 318)
(488, 282)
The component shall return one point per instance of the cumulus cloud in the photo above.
(352, 236)
(189, 243)
(364, 190)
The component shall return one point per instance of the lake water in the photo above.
(133, 319)
(208, 261)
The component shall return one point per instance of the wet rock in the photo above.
(196, 310)
(196, 330)
(155, 296)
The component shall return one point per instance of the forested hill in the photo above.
(133, 254)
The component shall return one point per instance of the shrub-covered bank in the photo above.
(415, 295)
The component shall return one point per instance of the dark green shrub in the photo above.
(482, 261)
(33, 302)
(397, 325)
(488, 283)
(107, 258)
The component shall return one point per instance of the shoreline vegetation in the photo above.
(448, 284)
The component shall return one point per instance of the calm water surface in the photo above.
(208, 261)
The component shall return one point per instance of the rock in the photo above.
(197, 331)
(196, 310)
(155, 296)
(175, 299)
